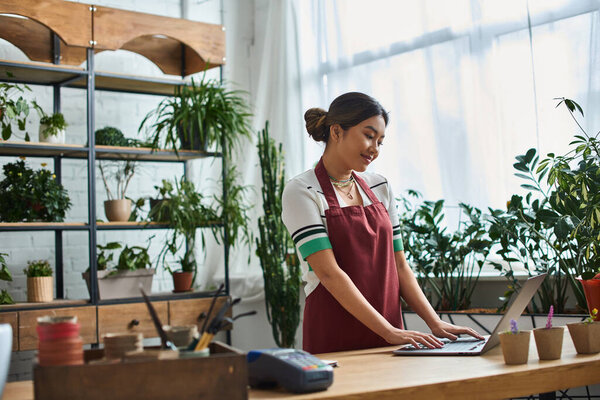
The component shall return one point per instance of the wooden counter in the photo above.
(377, 374)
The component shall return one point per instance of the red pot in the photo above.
(182, 281)
(591, 288)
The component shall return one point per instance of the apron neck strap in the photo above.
(328, 190)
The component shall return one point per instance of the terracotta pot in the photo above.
(182, 281)
(586, 337)
(55, 139)
(549, 342)
(40, 289)
(117, 210)
(591, 288)
(515, 347)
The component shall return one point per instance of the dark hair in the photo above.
(347, 110)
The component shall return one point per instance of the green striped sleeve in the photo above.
(314, 245)
(398, 245)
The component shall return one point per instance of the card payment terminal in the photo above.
(295, 370)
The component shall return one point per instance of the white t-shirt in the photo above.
(303, 214)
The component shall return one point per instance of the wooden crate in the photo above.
(222, 375)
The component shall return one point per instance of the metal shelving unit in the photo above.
(59, 76)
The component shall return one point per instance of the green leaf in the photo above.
(521, 167)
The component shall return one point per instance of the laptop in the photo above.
(469, 346)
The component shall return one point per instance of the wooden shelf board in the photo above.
(48, 74)
(147, 154)
(10, 148)
(39, 72)
(52, 304)
(133, 84)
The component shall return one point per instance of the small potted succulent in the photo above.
(586, 334)
(5, 297)
(52, 128)
(549, 339)
(123, 279)
(515, 344)
(40, 284)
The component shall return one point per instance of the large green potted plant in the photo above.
(5, 275)
(448, 263)
(183, 209)
(199, 116)
(275, 248)
(15, 108)
(123, 278)
(561, 215)
(31, 195)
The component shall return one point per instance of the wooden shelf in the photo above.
(36, 149)
(58, 303)
(40, 73)
(147, 154)
(43, 226)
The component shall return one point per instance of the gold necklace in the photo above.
(348, 194)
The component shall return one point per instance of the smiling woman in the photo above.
(345, 226)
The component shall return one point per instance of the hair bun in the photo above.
(316, 124)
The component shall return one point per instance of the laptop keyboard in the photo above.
(460, 345)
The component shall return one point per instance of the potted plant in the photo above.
(448, 263)
(117, 207)
(549, 339)
(275, 248)
(28, 195)
(111, 136)
(52, 128)
(182, 208)
(14, 109)
(586, 334)
(199, 116)
(40, 285)
(515, 344)
(5, 297)
(558, 224)
(123, 279)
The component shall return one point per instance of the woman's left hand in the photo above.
(445, 330)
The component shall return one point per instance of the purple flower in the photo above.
(550, 314)
(513, 326)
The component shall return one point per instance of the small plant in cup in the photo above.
(549, 339)
(40, 287)
(586, 334)
(515, 344)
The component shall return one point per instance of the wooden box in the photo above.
(222, 375)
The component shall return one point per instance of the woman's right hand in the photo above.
(401, 336)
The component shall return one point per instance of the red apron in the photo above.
(361, 239)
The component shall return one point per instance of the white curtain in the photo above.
(274, 90)
(469, 84)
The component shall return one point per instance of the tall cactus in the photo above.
(275, 248)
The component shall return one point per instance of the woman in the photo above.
(346, 229)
